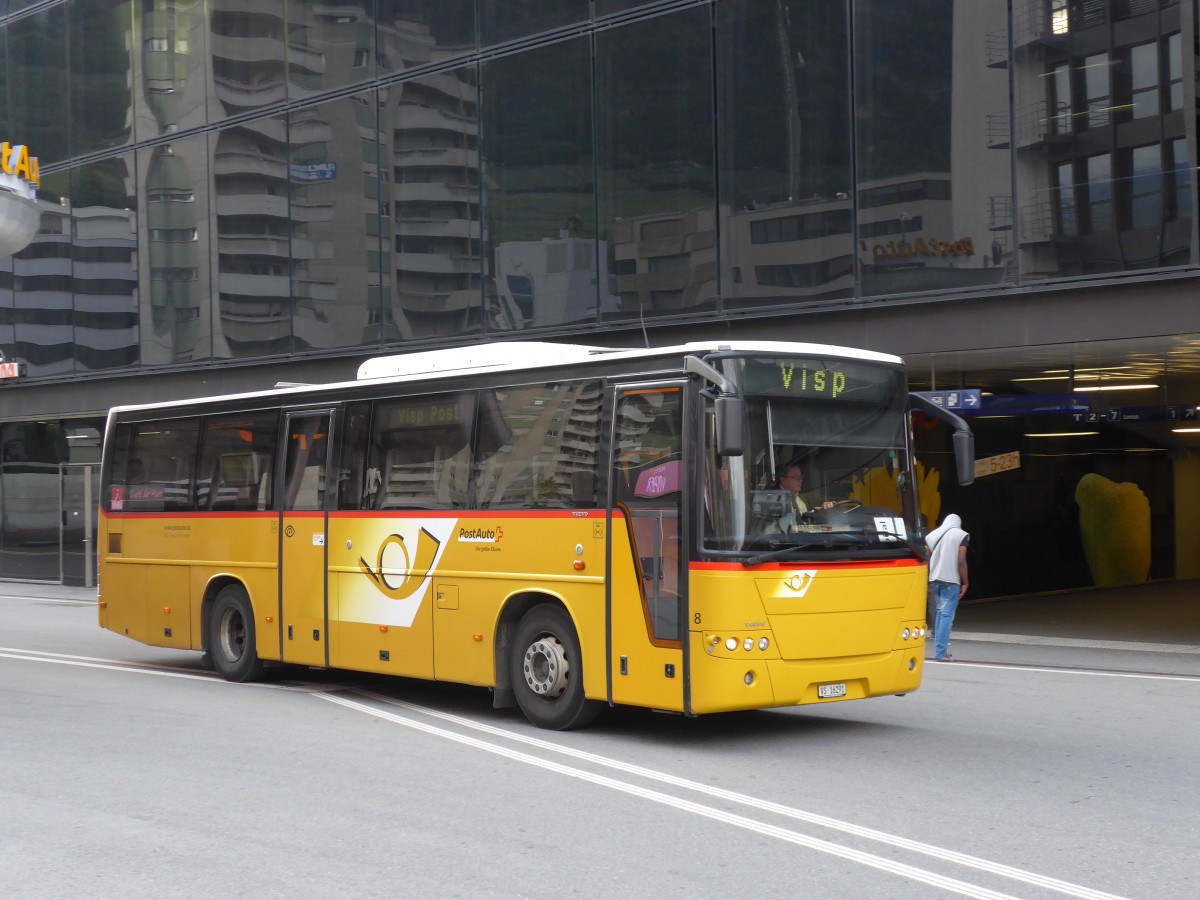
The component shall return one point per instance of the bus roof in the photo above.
(509, 356)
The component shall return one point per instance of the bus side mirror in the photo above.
(731, 413)
(964, 456)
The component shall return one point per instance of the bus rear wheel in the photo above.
(231, 636)
(547, 671)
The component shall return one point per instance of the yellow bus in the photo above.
(569, 526)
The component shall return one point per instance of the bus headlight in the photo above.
(731, 644)
(748, 644)
(763, 643)
(904, 634)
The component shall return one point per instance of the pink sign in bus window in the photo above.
(664, 479)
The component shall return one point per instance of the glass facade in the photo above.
(273, 180)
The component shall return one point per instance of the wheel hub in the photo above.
(232, 635)
(546, 667)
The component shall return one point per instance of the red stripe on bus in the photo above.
(256, 514)
(807, 564)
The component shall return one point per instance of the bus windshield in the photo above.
(825, 471)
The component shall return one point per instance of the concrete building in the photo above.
(235, 194)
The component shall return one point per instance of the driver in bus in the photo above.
(791, 480)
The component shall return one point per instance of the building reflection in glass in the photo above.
(1100, 144)
(656, 187)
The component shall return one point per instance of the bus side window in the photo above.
(237, 452)
(152, 465)
(538, 447)
(420, 448)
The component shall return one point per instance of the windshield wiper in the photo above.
(827, 540)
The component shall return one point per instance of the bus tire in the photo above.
(547, 671)
(231, 636)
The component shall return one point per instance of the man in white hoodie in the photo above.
(947, 579)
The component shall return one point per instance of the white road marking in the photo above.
(762, 805)
(327, 692)
(867, 859)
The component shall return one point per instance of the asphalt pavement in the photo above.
(1152, 628)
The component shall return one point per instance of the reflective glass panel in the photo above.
(1099, 192)
(104, 226)
(1180, 175)
(171, 90)
(417, 32)
(1092, 198)
(431, 263)
(1145, 187)
(254, 226)
(101, 76)
(608, 7)
(1177, 200)
(38, 84)
(42, 299)
(335, 168)
(934, 193)
(1143, 71)
(4, 76)
(327, 45)
(174, 240)
(248, 46)
(506, 20)
(783, 89)
(655, 164)
(540, 191)
(1067, 222)
(30, 495)
(1174, 72)
(1097, 90)
(1059, 84)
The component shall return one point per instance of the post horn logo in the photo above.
(396, 574)
(800, 582)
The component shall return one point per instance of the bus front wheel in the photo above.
(547, 671)
(231, 636)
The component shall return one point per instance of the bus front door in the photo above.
(647, 587)
(303, 593)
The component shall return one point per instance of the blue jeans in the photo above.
(944, 595)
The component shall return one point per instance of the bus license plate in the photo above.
(826, 691)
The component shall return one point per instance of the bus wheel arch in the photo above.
(539, 649)
(229, 631)
(515, 607)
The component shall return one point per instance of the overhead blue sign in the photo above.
(1034, 404)
(963, 400)
(1140, 414)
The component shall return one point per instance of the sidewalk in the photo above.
(1153, 628)
(39, 590)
